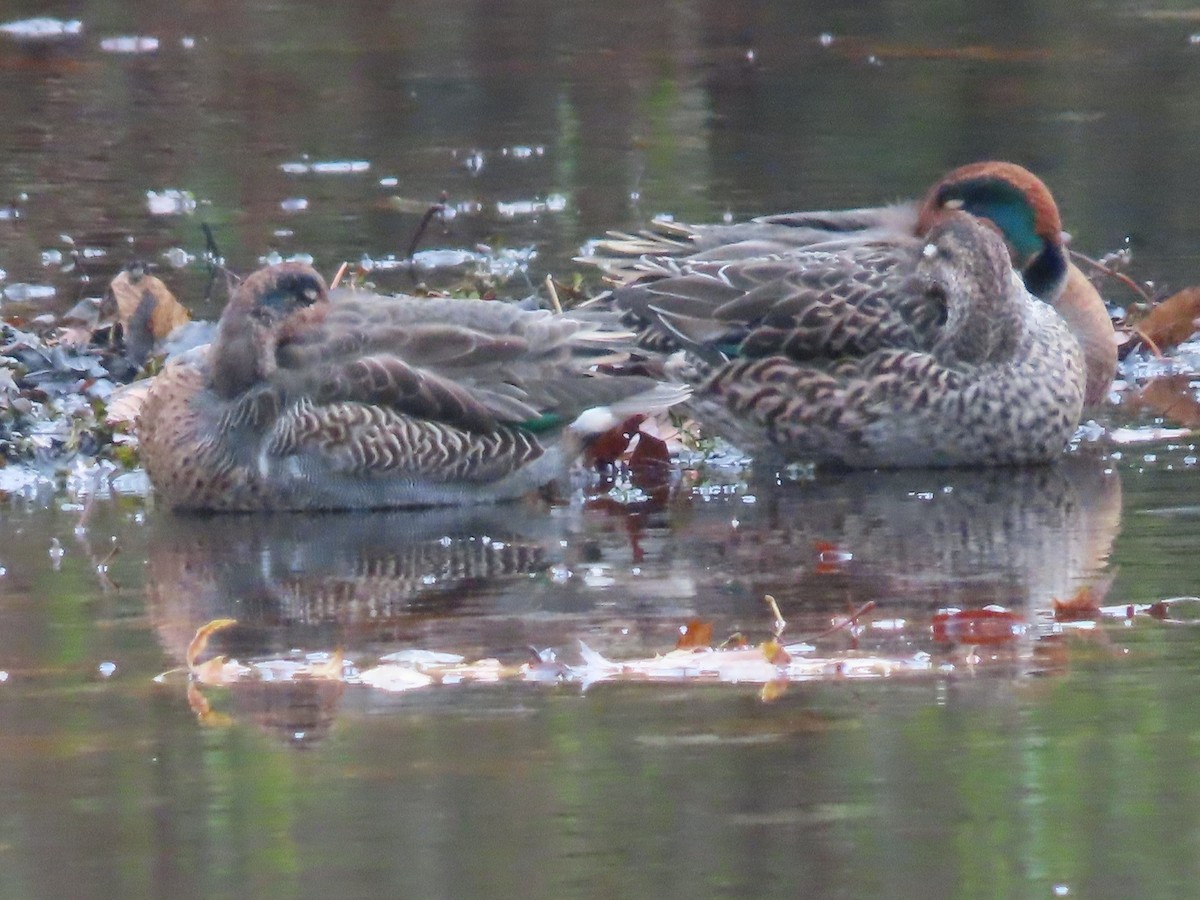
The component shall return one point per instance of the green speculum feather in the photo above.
(543, 423)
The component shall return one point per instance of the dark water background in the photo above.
(1050, 766)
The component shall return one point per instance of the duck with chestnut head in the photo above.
(950, 331)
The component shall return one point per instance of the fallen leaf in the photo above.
(330, 669)
(605, 449)
(144, 302)
(200, 640)
(1172, 321)
(1172, 397)
(696, 633)
(775, 654)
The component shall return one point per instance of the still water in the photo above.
(1057, 762)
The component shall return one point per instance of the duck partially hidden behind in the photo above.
(1012, 198)
(353, 401)
(889, 337)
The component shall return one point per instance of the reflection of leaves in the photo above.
(1172, 321)
(970, 53)
(650, 462)
(773, 690)
(1083, 605)
(605, 449)
(990, 625)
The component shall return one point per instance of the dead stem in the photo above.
(845, 623)
(779, 623)
(215, 261)
(337, 278)
(1113, 273)
(434, 210)
(553, 295)
(1158, 354)
(103, 564)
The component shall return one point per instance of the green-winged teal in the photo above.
(312, 400)
(897, 336)
(1011, 197)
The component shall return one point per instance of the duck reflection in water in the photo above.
(490, 582)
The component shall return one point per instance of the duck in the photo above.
(311, 399)
(1009, 196)
(949, 332)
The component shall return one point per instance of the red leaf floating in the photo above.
(607, 448)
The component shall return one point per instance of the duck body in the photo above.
(308, 401)
(1012, 199)
(948, 332)
(896, 353)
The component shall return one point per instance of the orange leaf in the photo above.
(330, 669)
(977, 626)
(1172, 321)
(200, 641)
(143, 300)
(1083, 605)
(1172, 398)
(696, 633)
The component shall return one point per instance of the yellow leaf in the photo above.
(773, 690)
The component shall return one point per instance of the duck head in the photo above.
(271, 304)
(1019, 204)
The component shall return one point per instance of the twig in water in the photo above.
(553, 295)
(845, 623)
(437, 209)
(1113, 273)
(215, 261)
(337, 278)
(103, 564)
(779, 624)
(1145, 338)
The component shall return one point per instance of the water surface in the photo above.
(1059, 760)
